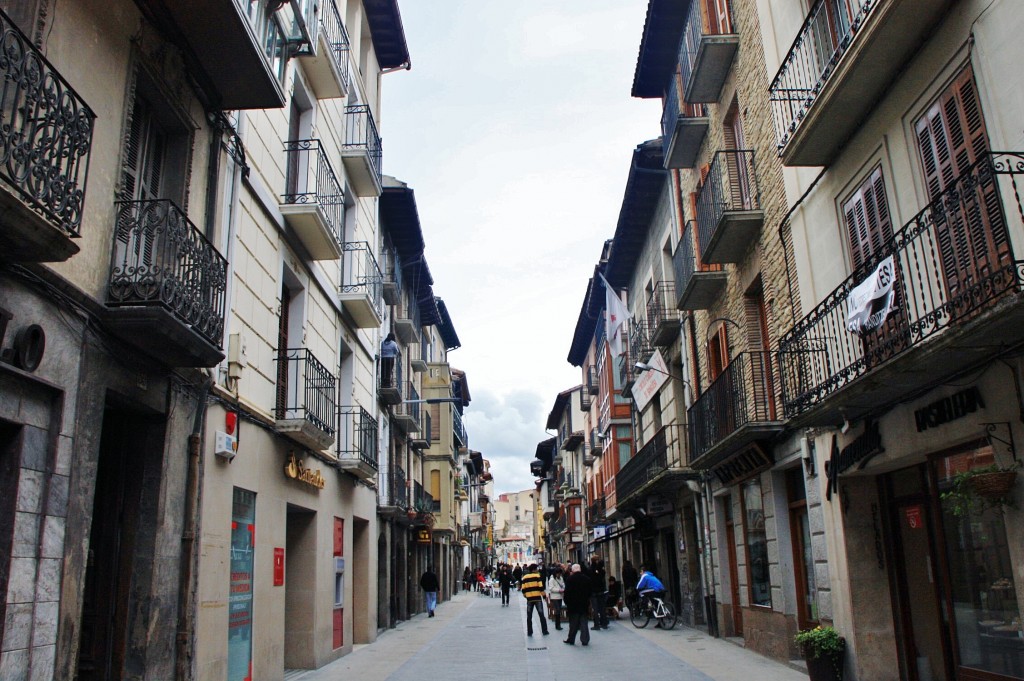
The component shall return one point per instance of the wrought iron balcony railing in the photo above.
(586, 399)
(311, 181)
(662, 315)
(391, 272)
(696, 286)
(332, 30)
(305, 390)
(397, 489)
(389, 380)
(459, 429)
(951, 262)
(161, 259)
(683, 129)
(46, 135)
(596, 511)
(422, 500)
(666, 451)
(823, 39)
(743, 394)
(639, 350)
(361, 275)
(730, 187)
(357, 435)
(706, 50)
(361, 136)
(591, 386)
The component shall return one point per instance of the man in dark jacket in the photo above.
(430, 586)
(578, 589)
(599, 583)
(505, 582)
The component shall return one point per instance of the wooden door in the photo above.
(970, 225)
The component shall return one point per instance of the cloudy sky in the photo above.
(515, 127)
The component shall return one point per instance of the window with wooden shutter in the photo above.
(869, 227)
(435, 422)
(761, 394)
(969, 224)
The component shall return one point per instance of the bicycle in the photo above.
(655, 607)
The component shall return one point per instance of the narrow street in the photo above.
(473, 637)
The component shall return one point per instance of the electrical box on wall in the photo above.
(225, 446)
(237, 358)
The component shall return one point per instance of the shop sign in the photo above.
(658, 506)
(914, 519)
(29, 344)
(600, 532)
(278, 566)
(864, 447)
(649, 383)
(423, 536)
(956, 406)
(296, 471)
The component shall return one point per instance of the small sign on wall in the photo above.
(278, 566)
(914, 517)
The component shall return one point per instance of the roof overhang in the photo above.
(387, 33)
(445, 327)
(555, 416)
(647, 179)
(659, 46)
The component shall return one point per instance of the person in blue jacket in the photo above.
(649, 587)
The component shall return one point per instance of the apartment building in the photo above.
(514, 524)
(897, 124)
(288, 559)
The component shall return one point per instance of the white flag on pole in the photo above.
(616, 316)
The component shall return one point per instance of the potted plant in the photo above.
(823, 649)
(979, 489)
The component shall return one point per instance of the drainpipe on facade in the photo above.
(186, 581)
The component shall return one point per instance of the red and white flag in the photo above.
(616, 316)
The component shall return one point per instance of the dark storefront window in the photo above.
(984, 595)
(757, 544)
(243, 545)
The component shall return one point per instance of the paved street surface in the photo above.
(473, 637)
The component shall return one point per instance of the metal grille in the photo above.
(311, 180)
(357, 435)
(731, 185)
(161, 259)
(311, 389)
(361, 134)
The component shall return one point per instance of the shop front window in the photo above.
(986, 609)
(757, 544)
(243, 539)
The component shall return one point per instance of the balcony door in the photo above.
(970, 226)
(869, 228)
(741, 195)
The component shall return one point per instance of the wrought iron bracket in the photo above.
(992, 433)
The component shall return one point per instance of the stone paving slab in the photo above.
(473, 637)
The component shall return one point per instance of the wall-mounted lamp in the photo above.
(724, 320)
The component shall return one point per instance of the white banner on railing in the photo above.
(870, 302)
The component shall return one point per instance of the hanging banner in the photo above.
(649, 382)
(870, 302)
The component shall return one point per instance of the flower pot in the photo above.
(825, 668)
(993, 485)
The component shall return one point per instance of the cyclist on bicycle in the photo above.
(649, 587)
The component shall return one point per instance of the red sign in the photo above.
(914, 518)
(278, 566)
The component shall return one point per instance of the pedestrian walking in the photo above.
(629, 579)
(430, 586)
(517, 576)
(578, 589)
(533, 588)
(505, 583)
(556, 587)
(466, 578)
(598, 597)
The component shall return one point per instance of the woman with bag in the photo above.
(555, 588)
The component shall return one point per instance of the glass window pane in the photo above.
(983, 589)
(757, 544)
(243, 534)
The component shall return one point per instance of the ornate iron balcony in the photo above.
(697, 287)
(362, 287)
(305, 390)
(311, 181)
(459, 429)
(664, 452)
(706, 52)
(822, 41)
(361, 150)
(662, 317)
(729, 207)
(357, 435)
(46, 135)
(332, 30)
(742, 395)
(161, 259)
(952, 262)
(682, 129)
(398, 488)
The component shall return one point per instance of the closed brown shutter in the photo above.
(867, 220)
(282, 354)
(435, 422)
(756, 326)
(970, 226)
